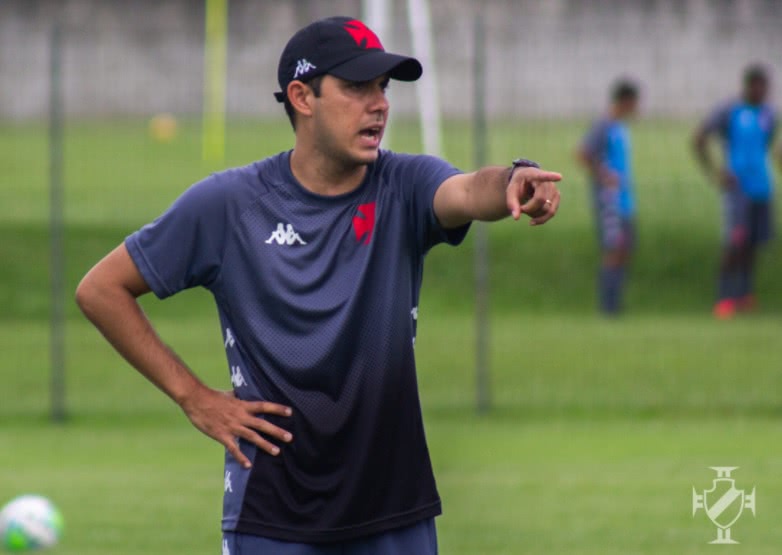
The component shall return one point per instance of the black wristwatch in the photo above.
(521, 163)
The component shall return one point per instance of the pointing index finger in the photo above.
(534, 174)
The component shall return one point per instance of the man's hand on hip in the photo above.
(224, 418)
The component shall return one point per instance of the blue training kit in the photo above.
(318, 301)
(747, 132)
(608, 141)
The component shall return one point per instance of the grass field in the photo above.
(599, 428)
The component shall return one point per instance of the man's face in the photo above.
(349, 118)
(628, 107)
(756, 90)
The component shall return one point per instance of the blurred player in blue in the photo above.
(606, 153)
(315, 258)
(746, 128)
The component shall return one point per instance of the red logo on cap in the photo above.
(362, 34)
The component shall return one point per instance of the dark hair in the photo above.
(755, 72)
(314, 84)
(624, 89)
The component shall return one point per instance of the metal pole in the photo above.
(56, 227)
(378, 15)
(482, 331)
(419, 16)
(215, 52)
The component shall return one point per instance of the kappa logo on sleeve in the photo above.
(363, 35)
(364, 222)
(237, 378)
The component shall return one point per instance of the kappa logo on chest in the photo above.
(285, 235)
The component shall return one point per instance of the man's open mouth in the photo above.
(372, 132)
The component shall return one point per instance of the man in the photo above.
(314, 257)
(605, 152)
(746, 127)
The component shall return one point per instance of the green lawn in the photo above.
(599, 428)
(510, 484)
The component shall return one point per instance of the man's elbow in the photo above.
(582, 157)
(92, 295)
(86, 295)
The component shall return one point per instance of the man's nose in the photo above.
(379, 102)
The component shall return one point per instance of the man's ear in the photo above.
(301, 97)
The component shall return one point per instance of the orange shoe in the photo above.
(747, 303)
(725, 309)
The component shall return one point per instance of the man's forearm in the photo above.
(489, 195)
(118, 316)
(487, 199)
(702, 154)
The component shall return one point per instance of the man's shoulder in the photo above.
(231, 189)
(401, 168)
(610, 129)
(720, 115)
(601, 125)
(240, 184)
(265, 171)
(728, 106)
(407, 172)
(769, 109)
(390, 159)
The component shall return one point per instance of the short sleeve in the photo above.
(419, 177)
(595, 141)
(183, 247)
(718, 121)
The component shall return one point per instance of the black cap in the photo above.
(343, 47)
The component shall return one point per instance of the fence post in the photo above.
(481, 260)
(56, 227)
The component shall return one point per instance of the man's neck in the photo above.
(616, 113)
(751, 101)
(323, 175)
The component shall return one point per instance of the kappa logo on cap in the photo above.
(363, 35)
(302, 67)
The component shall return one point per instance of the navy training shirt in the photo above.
(318, 301)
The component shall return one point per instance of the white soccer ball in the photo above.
(29, 522)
